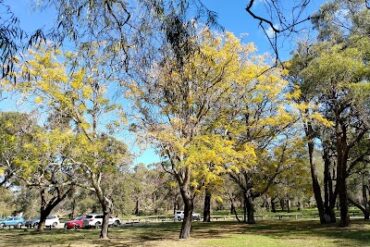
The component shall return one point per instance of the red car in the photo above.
(76, 223)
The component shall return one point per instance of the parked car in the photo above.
(51, 221)
(16, 222)
(96, 220)
(179, 215)
(31, 222)
(75, 223)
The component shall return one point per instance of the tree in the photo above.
(44, 165)
(15, 131)
(181, 103)
(76, 88)
(258, 115)
(329, 77)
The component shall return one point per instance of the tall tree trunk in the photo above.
(314, 177)
(330, 196)
(188, 217)
(343, 197)
(207, 206)
(250, 210)
(342, 156)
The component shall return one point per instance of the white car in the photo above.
(179, 215)
(51, 221)
(96, 220)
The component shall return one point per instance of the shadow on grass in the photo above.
(356, 235)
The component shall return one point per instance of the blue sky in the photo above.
(231, 15)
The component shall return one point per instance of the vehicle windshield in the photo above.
(89, 216)
(79, 218)
(50, 217)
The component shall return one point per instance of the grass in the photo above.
(228, 234)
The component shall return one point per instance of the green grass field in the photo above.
(229, 234)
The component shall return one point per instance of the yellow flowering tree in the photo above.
(76, 88)
(183, 106)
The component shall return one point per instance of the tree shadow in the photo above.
(356, 235)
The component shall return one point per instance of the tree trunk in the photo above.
(105, 203)
(207, 206)
(47, 207)
(137, 208)
(273, 205)
(250, 210)
(343, 198)
(43, 215)
(245, 199)
(342, 155)
(330, 196)
(365, 199)
(188, 217)
(282, 204)
(366, 215)
(105, 224)
(174, 205)
(315, 182)
(72, 216)
(288, 205)
(233, 209)
(266, 203)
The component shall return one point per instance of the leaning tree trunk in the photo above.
(47, 207)
(361, 207)
(207, 206)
